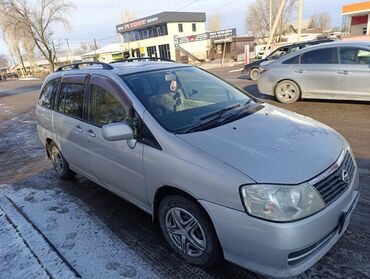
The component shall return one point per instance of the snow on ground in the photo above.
(54, 234)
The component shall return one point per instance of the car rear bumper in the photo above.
(282, 249)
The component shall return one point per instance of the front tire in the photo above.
(254, 74)
(188, 231)
(60, 165)
(287, 92)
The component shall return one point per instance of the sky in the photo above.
(97, 18)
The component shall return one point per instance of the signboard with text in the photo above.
(216, 35)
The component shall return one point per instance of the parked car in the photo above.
(223, 174)
(253, 69)
(339, 70)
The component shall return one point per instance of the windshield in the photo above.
(278, 53)
(182, 97)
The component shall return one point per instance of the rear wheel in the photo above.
(60, 165)
(287, 92)
(188, 231)
(254, 74)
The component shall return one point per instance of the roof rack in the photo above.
(76, 66)
(142, 59)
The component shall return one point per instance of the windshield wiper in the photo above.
(208, 119)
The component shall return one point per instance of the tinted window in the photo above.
(320, 56)
(47, 94)
(71, 99)
(104, 108)
(194, 27)
(293, 60)
(354, 55)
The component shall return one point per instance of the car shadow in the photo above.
(253, 90)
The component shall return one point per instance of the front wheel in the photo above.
(287, 92)
(254, 74)
(188, 231)
(60, 165)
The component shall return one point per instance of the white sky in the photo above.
(98, 18)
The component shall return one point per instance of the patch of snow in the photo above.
(83, 240)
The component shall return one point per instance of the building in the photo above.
(154, 35)
(107, 54)
(356, 18)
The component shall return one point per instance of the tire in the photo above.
(60, 165)
(287, 92)
(207, 251)
(254, 74)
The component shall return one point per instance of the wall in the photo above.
(198, 47)
(357, 30)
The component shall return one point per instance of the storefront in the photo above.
(154, 35)
(356, 18)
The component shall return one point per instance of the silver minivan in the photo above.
(224, 175)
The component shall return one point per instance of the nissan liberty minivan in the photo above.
(224, 175)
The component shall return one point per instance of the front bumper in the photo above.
(281, 249)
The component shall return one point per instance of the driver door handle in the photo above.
(90, 133)
(78, 129)
(343, 72)
(300, 71)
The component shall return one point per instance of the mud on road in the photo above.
(118, 239)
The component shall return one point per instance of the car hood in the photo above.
(272, 145)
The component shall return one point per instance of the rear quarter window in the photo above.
(47, 94)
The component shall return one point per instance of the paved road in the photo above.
(24, 166)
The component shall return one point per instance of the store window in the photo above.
(145, 33)
(164, 51)
(194, 27)
(152, 51)
(180, 27)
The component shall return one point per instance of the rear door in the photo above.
(355, 73)
(68, 123)
(317, 73)
(118, 165)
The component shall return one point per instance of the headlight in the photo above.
(281, 203)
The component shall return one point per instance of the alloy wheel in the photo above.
(57, 160)
(287, 92)
(185, 231)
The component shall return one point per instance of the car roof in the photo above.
(118, 68)
(320, 46)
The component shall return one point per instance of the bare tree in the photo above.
(3, 61)
(214, 22)
(320, 21)
(258, 19)
(13, 37)
(38, 18)
(128, 15)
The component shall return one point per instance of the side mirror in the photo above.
(117, 131)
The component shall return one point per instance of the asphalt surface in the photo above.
(23, 165)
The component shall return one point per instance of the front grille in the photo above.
(333, 185)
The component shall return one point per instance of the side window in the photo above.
(71, 99)
(320, 56)
(104, 107)
(293, 60)
(353, 55)
(47, 94)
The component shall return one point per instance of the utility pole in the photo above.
(300, 7)
(96, 47)
(277, 18)
(69, 51)
(270, 24)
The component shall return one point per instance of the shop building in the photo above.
(154, 36)
(356, 18)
